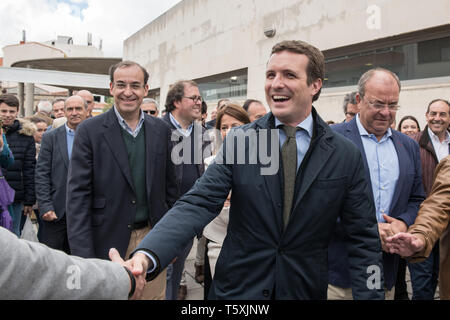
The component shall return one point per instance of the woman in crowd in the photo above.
(228, 117)
(408, 125)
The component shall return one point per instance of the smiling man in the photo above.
(183, 105)
(279, 224)
(121, 180)
(392, 165)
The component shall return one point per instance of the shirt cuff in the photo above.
(151, 258)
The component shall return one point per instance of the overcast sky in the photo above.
(113, 21)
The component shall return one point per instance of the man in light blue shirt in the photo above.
(51, 175)
(392, 164)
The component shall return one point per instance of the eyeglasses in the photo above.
(195, 98)
(380, 106)
(152, 112)
(133, 86)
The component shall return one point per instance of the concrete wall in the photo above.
(198, 38)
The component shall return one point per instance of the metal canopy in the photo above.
(69, 73)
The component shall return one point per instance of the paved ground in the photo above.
(195, 290)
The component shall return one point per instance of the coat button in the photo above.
(266, 293)
(129, 226)
(133, 201)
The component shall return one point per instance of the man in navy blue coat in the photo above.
(392, 165)
(265, 255)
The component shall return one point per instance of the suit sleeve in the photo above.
(29, 165)
(31, 271)
(359, 223)
(6, 156)
(43, 176)
(434, 214)
(417, 195)
(79, 190)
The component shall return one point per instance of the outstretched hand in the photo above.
(405, 244)
(139, 278)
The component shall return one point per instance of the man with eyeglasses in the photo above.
(120, 181)
(150, 107)
(392, 164)
(89, 98)
(350, 106)
(184, 105)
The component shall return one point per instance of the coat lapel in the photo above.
(274, 183)
(152, 137)
(113, 136)
(61, 141)
(401, 155)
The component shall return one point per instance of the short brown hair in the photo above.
(316, 59)
(232, 110)
(126, 64)
(176, 93)
(10, 100)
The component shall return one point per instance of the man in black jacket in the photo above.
(20, 175)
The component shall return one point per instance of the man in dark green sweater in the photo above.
(121, 179)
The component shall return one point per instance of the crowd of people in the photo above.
(348, 205)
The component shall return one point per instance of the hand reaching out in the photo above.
(139, 278)
(405, 244)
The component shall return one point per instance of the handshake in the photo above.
(394, 238)
(137, 268)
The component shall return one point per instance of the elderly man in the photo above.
(150, 107)
(89, 98)
(392, 165)
(432, 222)
(51, 175)
(58, 108)
(280, 221)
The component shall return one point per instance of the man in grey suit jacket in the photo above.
(45, 273)
(51, 175)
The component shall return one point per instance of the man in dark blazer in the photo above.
(121, 180)
(51, 175)
(392, 165)
(183, 105)
(265, 254)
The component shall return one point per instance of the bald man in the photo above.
(89, 98)
(51, 174)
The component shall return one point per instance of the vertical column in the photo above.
(21, 97)
(29, 99)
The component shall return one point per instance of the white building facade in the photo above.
(225, 45)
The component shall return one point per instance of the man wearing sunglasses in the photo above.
(150, 107)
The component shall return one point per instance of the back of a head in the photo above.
(44, 106)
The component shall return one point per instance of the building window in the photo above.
(231, 85)
(410, 56)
